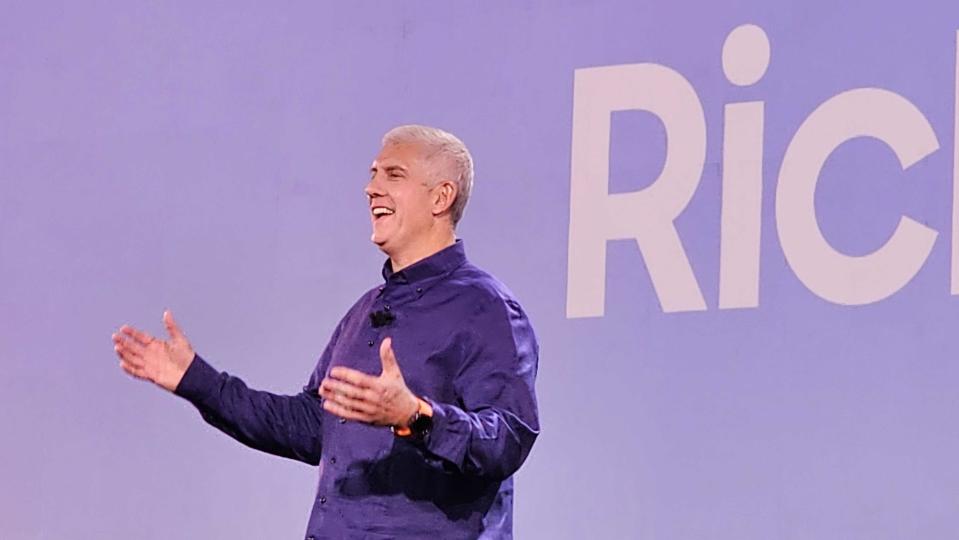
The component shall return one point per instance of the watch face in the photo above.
(421, 425)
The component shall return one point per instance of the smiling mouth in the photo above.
(380, 212)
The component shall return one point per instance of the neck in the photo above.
(433, 244)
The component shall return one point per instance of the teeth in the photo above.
(380, 211)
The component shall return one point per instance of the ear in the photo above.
(444, 194)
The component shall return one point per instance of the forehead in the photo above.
(405, 155)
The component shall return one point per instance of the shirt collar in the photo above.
(435, 265)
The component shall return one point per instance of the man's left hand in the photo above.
(384, 400)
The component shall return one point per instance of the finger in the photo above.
(120, 338)
(125, 350)
(117, 339)
(131, 359)
(135, 371)
(172, 327)
(140, 337)
(324, 390)
(132, 346)
(129, 368)
(387, 357)
(356, 405)
(341, 411)
(344, 388)
(343, 400)
(357, 378)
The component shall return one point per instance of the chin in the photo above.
(380, 243)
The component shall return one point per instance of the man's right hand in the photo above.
(160, 361)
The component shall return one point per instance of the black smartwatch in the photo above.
(418, 426)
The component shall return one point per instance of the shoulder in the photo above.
(487, 293)
(498, 325)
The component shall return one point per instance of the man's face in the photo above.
(399, 198)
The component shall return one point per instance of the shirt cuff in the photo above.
(198, 382)
(446, 439)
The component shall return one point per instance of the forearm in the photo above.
(287, 426)
(490, 442)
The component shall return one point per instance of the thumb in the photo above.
(171, 326)
(387, 358)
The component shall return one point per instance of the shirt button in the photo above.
(333, 460)
(419, 289)
(370, 343)
(342, 420)
(322, 500)
(386, 307)
(311, 537)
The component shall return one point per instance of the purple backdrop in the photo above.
(210, 158)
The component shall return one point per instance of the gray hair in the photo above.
(437, 143)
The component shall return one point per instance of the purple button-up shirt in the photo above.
(464, 345)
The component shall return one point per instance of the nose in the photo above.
(373, 188)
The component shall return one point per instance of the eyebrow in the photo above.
(389, 168)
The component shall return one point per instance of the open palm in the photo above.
(157, 360)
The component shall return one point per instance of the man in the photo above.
(422, 405)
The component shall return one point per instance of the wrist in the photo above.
(178, 372)
(410, 416)
(418, 423)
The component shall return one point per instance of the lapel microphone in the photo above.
(381, 318)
